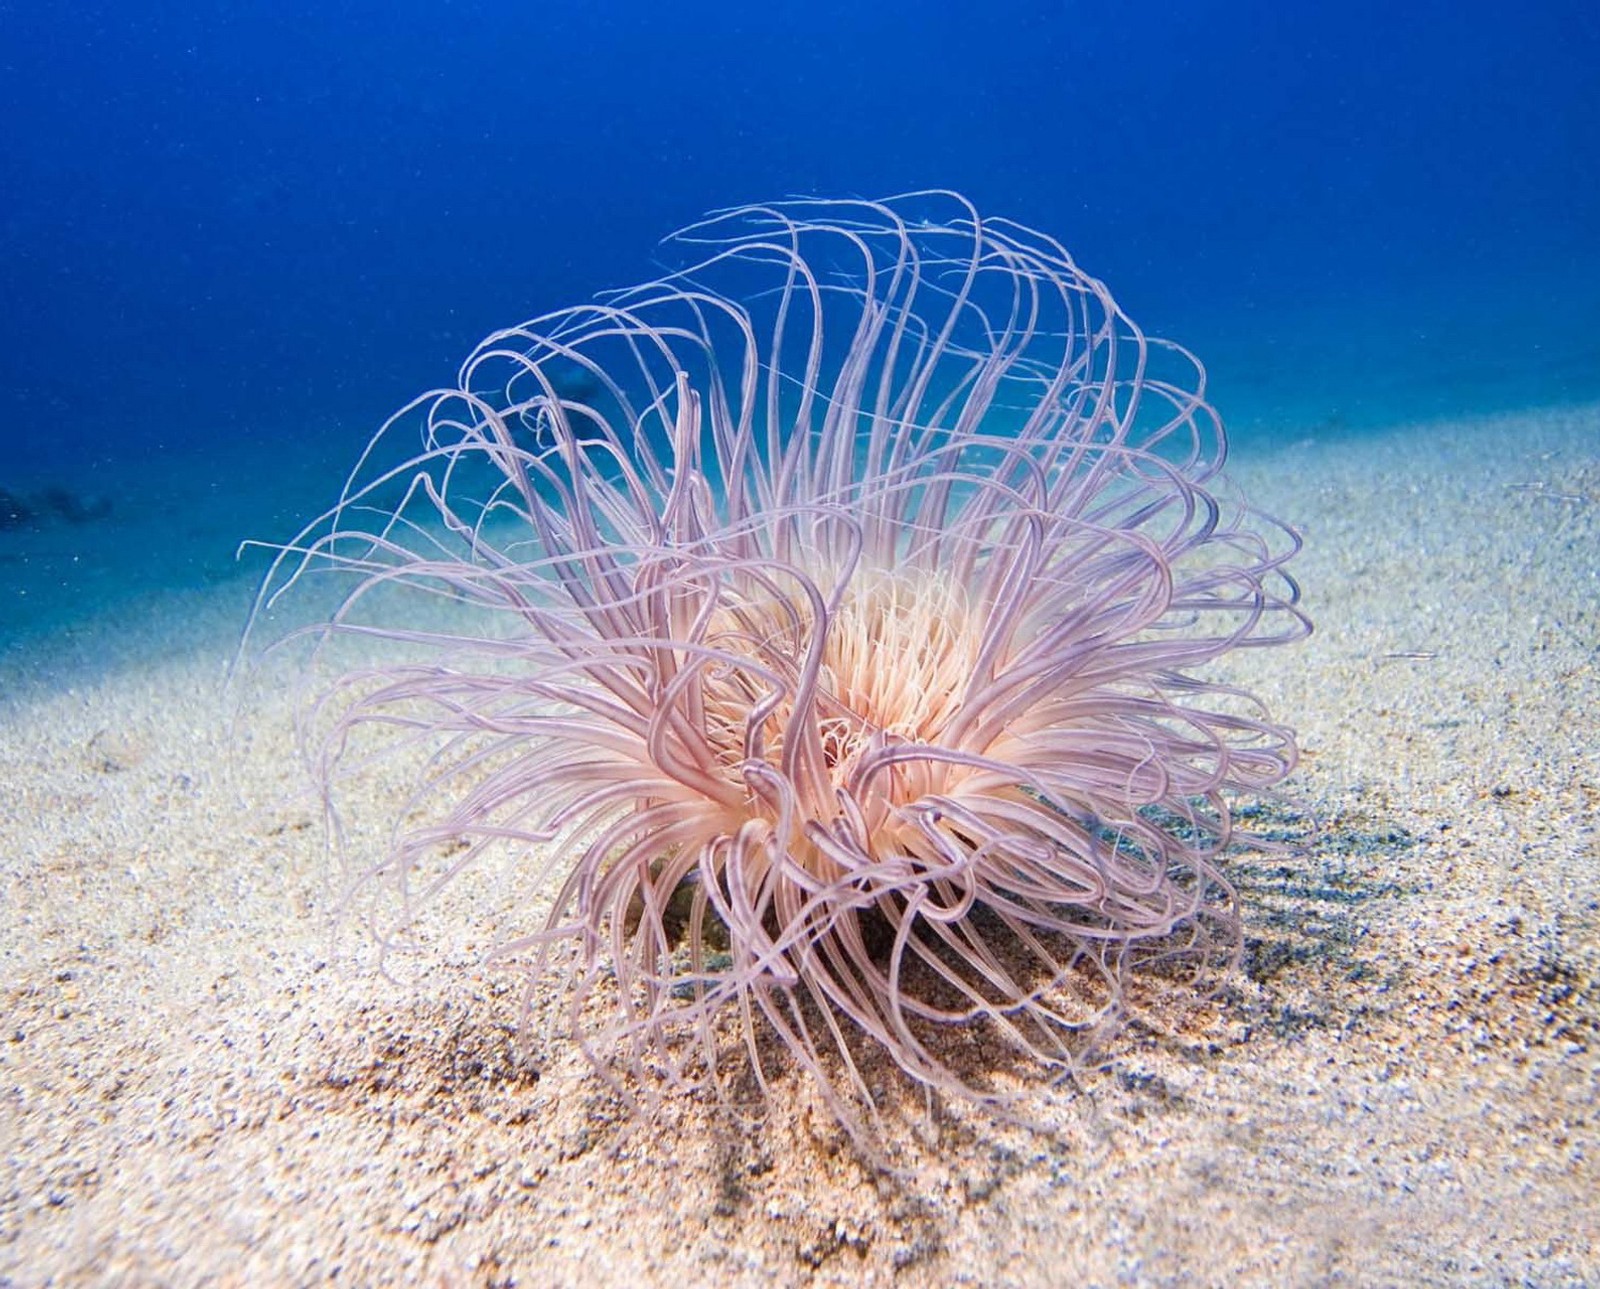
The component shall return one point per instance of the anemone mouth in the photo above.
(894, 656)
(842, 608)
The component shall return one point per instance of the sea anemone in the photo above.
(817, 638)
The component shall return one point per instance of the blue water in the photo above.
(233, 237)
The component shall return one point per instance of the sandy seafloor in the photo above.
(199, 1086)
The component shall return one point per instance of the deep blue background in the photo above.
(271, 222)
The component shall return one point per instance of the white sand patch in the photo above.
(198, 1083)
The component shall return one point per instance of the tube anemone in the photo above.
(823, 633)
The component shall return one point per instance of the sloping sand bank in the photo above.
(198, 1084)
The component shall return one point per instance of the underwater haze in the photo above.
(235, 237)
